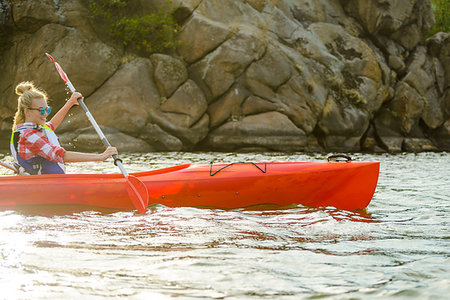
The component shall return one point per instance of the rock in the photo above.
(405, 21)
(186, 106)
(359, 69)
(200, 36)
(30, 15)
(272, 70)
(33, 65)
(369, 141)
(80, 66)
(87, 140)
(159, 139)
(5, 10)
(441, 136)
(407, 106)
(342, 124)
(87, 69)
(439, 47)
(27, 63)
(388, 130)
(216, 72)
(299, 104)
(153, 5)
(189, 136)
(433, 113)
(418, 145)
(276, 75)
(420, 73)
(228, 106)
(417, 25)
(279, 22)
(123, 102)
(170, 73)
(396, 63)
(254, 105)
(230, 13)
(271, 131)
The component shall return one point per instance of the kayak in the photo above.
(344, 185)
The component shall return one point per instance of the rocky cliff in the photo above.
(277, 75)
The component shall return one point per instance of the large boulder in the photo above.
(200, 36)
(218, 70)
(87, 140)
(87, 69)
(404, 21)
(186, 106)
(269, 131)
(170, 73)
(227, 107)
(159, 139)
(359, 70)
(342, 125)
(30, 16)
(123, 102)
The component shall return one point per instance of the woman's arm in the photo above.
(59, 116)
(71, 156)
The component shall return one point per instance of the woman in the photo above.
(34, 144)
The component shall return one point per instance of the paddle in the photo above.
(137, 191)
(9, 167)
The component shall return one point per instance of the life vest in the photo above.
(36, 165)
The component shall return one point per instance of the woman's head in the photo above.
(30, 100)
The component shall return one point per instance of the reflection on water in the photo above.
(397, 248)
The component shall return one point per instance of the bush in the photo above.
(149, 33)
(441, 10)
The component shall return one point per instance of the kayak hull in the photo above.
(344, 185)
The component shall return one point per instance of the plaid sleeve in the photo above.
(34, 143)
(50, 124)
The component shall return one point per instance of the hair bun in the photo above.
(23, 87)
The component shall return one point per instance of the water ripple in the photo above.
(398, 248)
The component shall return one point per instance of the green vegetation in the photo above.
(441, 9)
(260, 4)
(149, 33)
(344, 93)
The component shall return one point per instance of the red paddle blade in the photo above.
(58, 67)
(138, 193)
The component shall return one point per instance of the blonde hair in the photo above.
(27, 92)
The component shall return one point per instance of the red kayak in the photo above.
(344, 185)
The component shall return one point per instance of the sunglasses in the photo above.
(43, 110)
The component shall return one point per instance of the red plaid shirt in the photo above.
(34, 143)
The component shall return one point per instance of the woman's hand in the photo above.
(71, 156)
(74, 98)
(110, 151)
(60, 115)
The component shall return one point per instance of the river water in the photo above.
(398, 248)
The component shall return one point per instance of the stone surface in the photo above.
(170, 73)
(186, 106)
(87, 140)
(271, 131)
(123, 102)
(285, 75)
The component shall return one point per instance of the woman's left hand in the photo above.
(74, 98)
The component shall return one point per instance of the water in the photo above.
(399, 248)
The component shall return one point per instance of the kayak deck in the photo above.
(344, 185)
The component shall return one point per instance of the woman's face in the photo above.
(33, 113)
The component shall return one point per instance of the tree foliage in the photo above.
(441, 10)
(147, 33)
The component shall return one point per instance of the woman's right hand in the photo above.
(110, 151)
(73, 100)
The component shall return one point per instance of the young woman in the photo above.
(34, 144)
